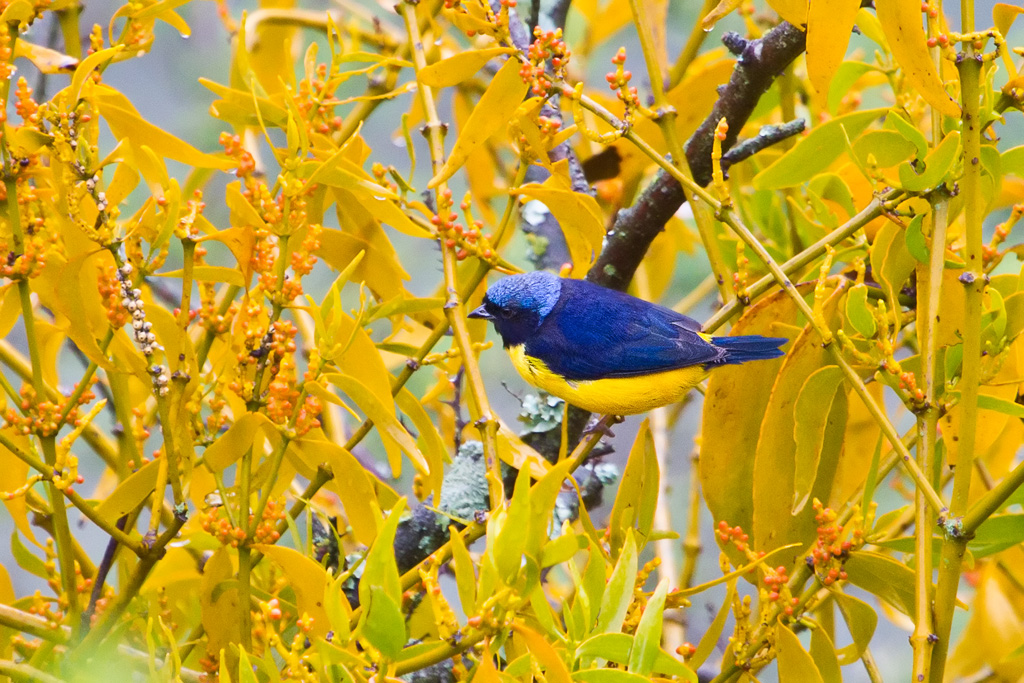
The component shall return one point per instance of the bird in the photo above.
(603, 350)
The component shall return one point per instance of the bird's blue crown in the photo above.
(536, 292)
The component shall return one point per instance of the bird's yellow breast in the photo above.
(615, 395)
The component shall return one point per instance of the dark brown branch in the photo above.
(766, 137)
(635, 228)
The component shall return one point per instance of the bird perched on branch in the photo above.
(603, 350)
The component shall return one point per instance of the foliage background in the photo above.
(170, 98)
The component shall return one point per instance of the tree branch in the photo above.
(635, 228)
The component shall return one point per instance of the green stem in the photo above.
(24, 672)
(955, 544)
(89, 645)
(88, 510)
(61, 529)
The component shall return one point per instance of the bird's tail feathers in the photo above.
(750, 347)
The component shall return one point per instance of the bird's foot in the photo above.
(603, 426)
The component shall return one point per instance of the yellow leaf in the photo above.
(306, 578)
(70, 290)
(492, 112)
(209, 274)
(125, 122)
(380, 269)
(383, 415)
(737, 397)
(829, 23)
(218, 602)
(795, 664)
(458, 67)
(545, 654)
(433, 445)
(130, 492)
(1003, 16)
(230, 445)
(351, 483)
(578, 215)
(515, 452)
(793, 11)
(722, 9)
(46, 59)
(240, 241)
(86, 68)
(12, 476)
(901, 23)
(775, 522)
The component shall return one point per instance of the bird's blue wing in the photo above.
(595, 333)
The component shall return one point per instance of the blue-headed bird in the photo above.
(603, 350)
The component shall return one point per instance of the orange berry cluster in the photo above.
(6, 66)
(26, 107)
(991, 250)
(266, 530)
(776, 590)
(109, 286)
(831, 549)
(931, 10)
(465, 241)
(220, 527)
(734, 535)
(309, 100)
(619, 80)
(547, 47)
(245, 165)
(43, 417)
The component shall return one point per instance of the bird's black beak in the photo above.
(481, 312)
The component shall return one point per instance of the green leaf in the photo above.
(861, 620)
(562, 549)
(883, 577)
(709, 641)
(637, 496)
(245, 668)
(846, 75)
(814, 153)
(542, 503)
(823, 652)
(648, 632)
(379, 567)
(886, 147)
(858, 314)
(608, 676)
(795, 664)
(999, 405)
(510, 541)
(619, 591)
(338, 609)
(1012, 160)
(465, 575)
(814, 408)
(383, 624)
(938, 165)
(915, 240)
(909, 131)
(614, 647)
(26, 559)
